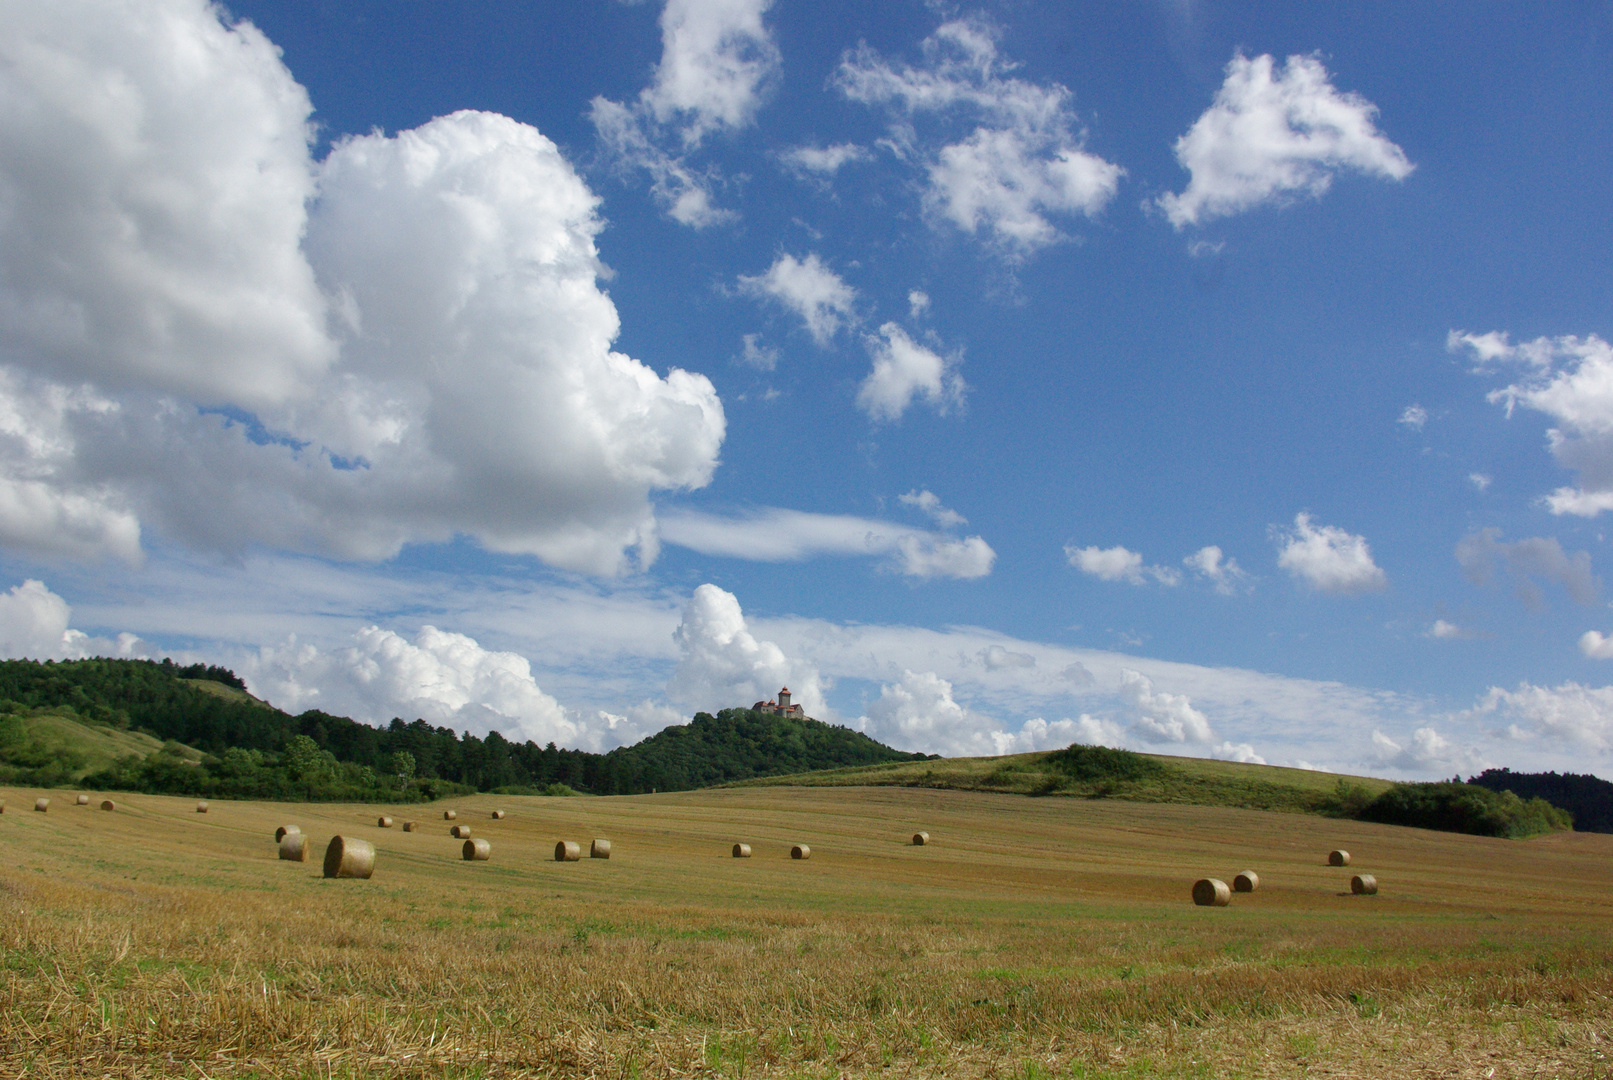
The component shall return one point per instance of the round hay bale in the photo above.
(383, 822)
(280, 833)
(498, 815)
(1338, 858)
(800, 851)
(567, 851)
(1248, 881)
(449, 815)
(477, 850)
(408, 826)
(599, 849)
(741, 851)
(920, 839)
(460, 832)
(294, 846)
(349, 857)
(1211, 892)
(83, 800)
(42, 805)
(108, 804)
(1364, 885)
(201, 808)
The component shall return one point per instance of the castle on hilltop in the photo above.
(781, 707)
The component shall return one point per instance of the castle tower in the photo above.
(784, 699)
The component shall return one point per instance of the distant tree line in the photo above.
(1588, 798)
(251, 750)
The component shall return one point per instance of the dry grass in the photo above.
(1045, 938)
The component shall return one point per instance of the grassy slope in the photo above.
(1034, 938)
(101, 746)
(1185, 780)
(228, 693)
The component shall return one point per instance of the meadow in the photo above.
(1036, 937)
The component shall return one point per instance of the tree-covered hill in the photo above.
(1588, 798)
(252, 750)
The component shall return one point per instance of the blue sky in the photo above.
(1227, 380)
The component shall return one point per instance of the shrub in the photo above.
(1096, 764)
(1465, 808)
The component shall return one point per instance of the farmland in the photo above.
(1034, 938)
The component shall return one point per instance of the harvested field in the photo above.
(1045, 938)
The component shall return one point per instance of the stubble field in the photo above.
(1034, 938)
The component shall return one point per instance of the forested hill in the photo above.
(252, 750)
(1588, 798)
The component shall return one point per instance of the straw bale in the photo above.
(460, 832)
(800, 851)
(449, 815)
(349, 857)
(294, 846)
(920, 839)
(83, 800)
(498, 815)
(1248, 881)
(201, 807)
(42, 805)
(477, 850)
(599, 849)
(383, 822)
(1211, 892)
(280, 833)
(1338, 858)
(567, 851)
(409, 826)
(741, 851)
(1364, 885)
(108, 804)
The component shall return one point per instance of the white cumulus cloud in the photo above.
(1025, 159)
(1212, 564)
(905, 371)
(1274, 132)
(1425, 750)
(1118, 564)
(1581, 716)
(444, 678)
(404, 343)
(822, 161)
(722, 665)
(1413, 416)
(808, 288)
(1570, 380)
(1160, 717)
(919, 713)
(718, 64)
(1594, 645)
(930, 503)
(1328, 559)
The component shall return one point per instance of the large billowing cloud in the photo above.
(918, 713)
(718, 63)
(1570, 379)
(1023, 164)
(444, 678)
(1329, 559)
(1275, 133)
(34, 625)
(1572, 714)
(194, 342)
(722, 665)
